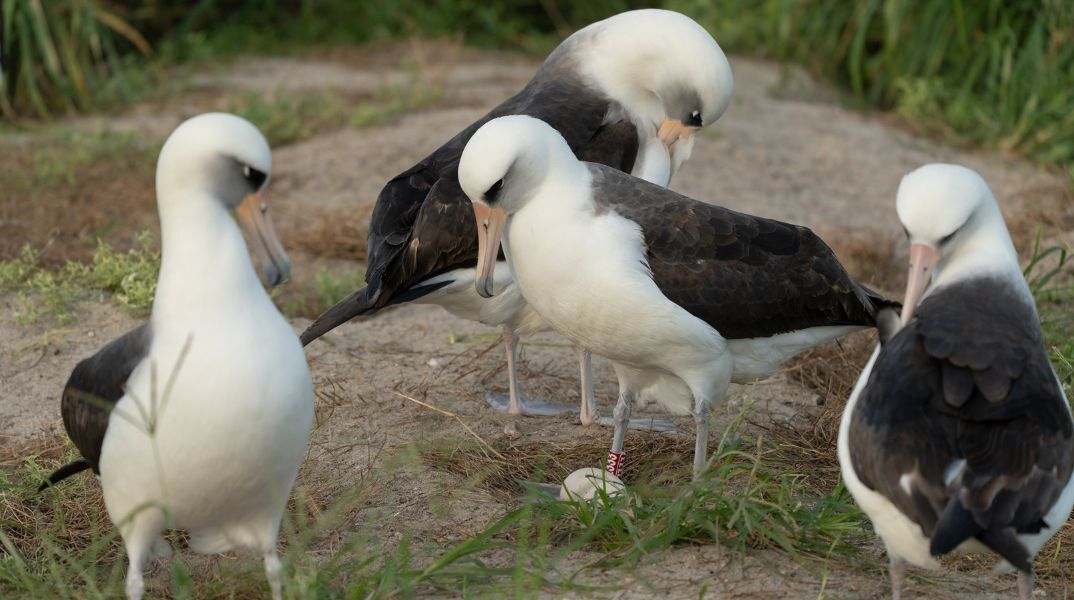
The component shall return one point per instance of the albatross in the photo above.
(628, 92)
(958, 435)
(682, 296)
(199, 418)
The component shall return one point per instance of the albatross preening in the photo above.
(627, 92)
(199, 418)
(957, 435)
(683, 297)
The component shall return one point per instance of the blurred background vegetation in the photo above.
(996, 73)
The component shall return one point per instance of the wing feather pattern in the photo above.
(745, 276)
(967, 379)
(95, 386)
(423, 225)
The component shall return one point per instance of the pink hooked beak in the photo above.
(923, 258)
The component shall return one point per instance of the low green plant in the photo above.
(129, 278)
(331, 287)
(59, 157)
(747, 499)
(17, 270)
(394, 101)
(288, 117)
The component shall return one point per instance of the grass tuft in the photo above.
(288, 117)
(748, 499)
(129, 278)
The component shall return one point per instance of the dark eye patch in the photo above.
(947, 238)
(493, 192)
(253, 176)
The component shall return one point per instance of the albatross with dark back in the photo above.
(627, 92)
(683, 297)
(199, 418)
(958, 434)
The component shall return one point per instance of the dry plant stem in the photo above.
(457, 418)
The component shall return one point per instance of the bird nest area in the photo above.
(830, 370)
(499, 465)
(49, 522)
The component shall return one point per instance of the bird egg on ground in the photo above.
(584, 483)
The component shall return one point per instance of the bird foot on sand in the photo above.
(643, 423)
(538, 408)
(502, 402)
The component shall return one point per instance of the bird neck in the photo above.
(205, 266)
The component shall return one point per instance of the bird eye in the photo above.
(492, 192)
(947, 238)
(695, 119)
(253, 176)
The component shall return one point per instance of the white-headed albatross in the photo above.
(957, 435)
(627, 92)
(199, 418)
(683, 297)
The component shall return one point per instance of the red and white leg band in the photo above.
(615, 463)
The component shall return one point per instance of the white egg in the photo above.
(584, 483)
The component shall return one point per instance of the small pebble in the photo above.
(434, 362)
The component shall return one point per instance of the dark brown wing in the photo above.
(967, 379)
(745, 276)
(423, 225)
(614, 145)
(93, 389)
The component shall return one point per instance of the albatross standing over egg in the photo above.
(958, 434)
(628, 92)
(683, 297)
(199, 418)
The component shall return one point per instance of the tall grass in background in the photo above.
(998, 73)
(62, 56)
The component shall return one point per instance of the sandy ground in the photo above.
(785, 149)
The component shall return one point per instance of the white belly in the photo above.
(589, 282)
(228, 438)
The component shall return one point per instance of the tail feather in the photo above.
(1005, 543)
(71, 468)
(957, 525)
(361, 302)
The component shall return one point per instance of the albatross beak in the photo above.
(671, 130)
(490, 222)
(923, 257)
(253, 218)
